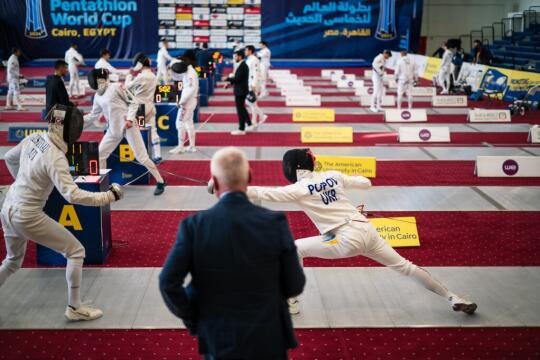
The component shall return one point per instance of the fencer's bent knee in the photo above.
(76, 251)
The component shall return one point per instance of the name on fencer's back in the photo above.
(39, 144)
(325, 189)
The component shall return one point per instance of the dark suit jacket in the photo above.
(55, 92)
(240, 79)
(244, 266)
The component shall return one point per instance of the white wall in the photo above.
(443, 19)
(520, 5)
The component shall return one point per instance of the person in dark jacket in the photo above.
(243, 265)
(240, 80)
(204, 57)
(55, 89)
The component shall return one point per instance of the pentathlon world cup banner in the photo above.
(300, 29)
(46, 28)
(340, 29)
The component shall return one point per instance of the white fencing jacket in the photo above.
(113, 104)
(73, 58)
(190, 89)
(13, 70)
(142, 87)
(104, 64)
(38, 165)
(255, 76)
(265, 55)
(406, 71)
(378, 64)
(162, 58)
(321, 195)
(446, 62)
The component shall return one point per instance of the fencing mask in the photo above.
(98, 80)
(179, 67)
(66, 123)
(140, 60)
(297, 159)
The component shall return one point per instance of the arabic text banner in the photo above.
(340, 29)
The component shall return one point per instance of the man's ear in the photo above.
(216, 184)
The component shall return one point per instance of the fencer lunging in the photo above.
(13, 77)
(111, 101)
(406, 76)
(377, 78)
(443, 76)
(140, 90)
(254, 85)
(186, 105)
(38, 164)
(74, 59)
(345, 232)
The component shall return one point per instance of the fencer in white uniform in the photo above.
(254, 84)
(378, 66)
(162, 58)
(406, 76)
(140, 90)
(13, 76)
(264, 55)
(345, 232)
(103, 62)
(74, 59)
(111, 101)
(443, 76)
(38, 164)
(186, 105)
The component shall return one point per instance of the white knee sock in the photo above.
(181, 135)
(191, 134)
(74, 277)
(430, 283)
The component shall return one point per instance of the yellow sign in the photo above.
(327, 134)
(235, 2)
(125, 154)
(184, 16)
(69, 218)
(313, 115)
(397, 231)
(350, 165)
(432, 68)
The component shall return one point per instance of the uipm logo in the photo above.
(34, 25)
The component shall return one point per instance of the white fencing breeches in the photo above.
(162, 75)
(378, 91)
(404, 88)
(20, 225)
(13, 93)
(73, 81)
(184, 124)
(443, 79)
(255, 111)
(134, 138)
(150, 120)
(359, 238)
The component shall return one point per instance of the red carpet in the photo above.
(314, 344)
(389, 173)
(475, 238)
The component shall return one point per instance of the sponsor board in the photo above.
(449, 100)
(303, 100)
(489, 115)
(507, 166)
(413, 115)
(327, 134)
(424, 134)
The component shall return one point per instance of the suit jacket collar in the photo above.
(233, 197)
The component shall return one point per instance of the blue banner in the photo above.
(340, 29)
(46, 28)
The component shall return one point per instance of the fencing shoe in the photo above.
(83, 313)
(160, 188)
(177, 150)
(294, 308)
(459, 304)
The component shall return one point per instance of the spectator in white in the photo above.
(264, 54)
(443, 76)
(162, 58)
(254, 84)
(406, 76)
(103, 62)
(74, 59)
(187, 102)
(13, 77)
(378, 86)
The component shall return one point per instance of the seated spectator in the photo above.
(243, 265)
(481, 54)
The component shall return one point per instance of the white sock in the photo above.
(74, 277)
(430, 283)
